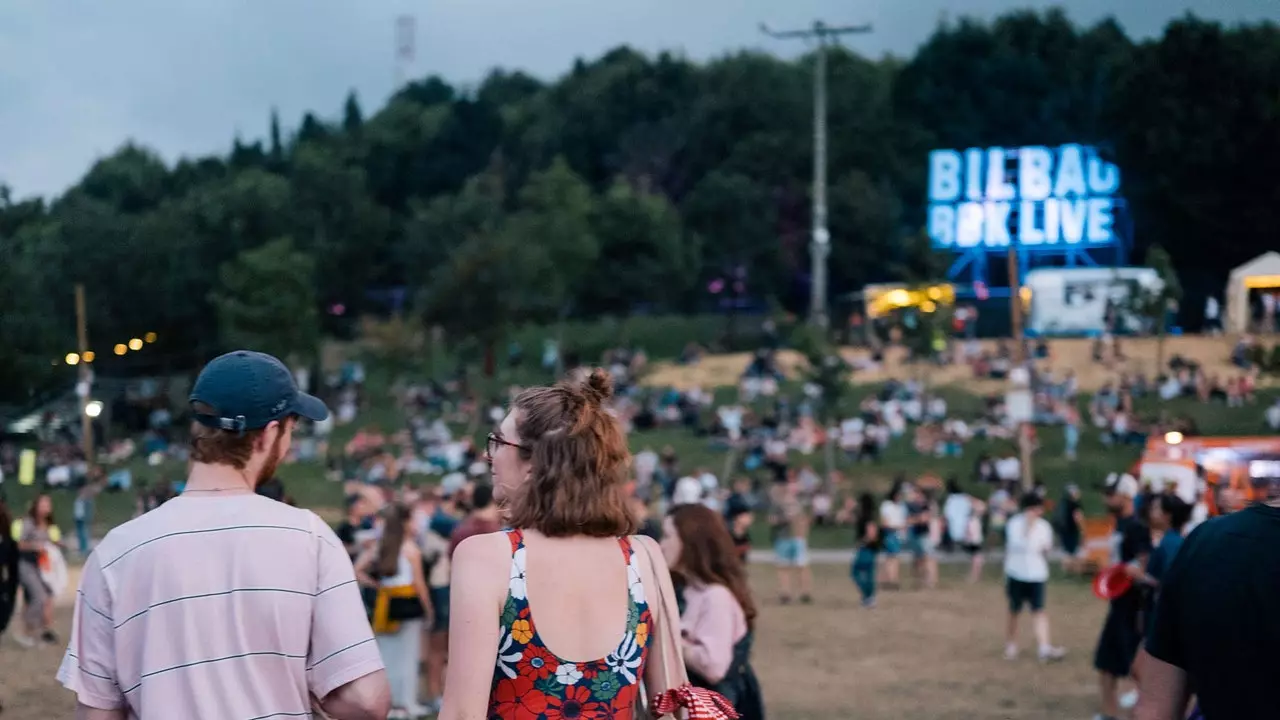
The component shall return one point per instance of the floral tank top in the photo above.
(529, 683)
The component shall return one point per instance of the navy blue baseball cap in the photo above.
(249, 390)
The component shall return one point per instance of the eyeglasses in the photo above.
(494, 442)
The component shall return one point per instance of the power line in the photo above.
(821, 241)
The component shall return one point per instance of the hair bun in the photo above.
(597, 386)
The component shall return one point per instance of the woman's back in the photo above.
(574, 629)
(579, 589)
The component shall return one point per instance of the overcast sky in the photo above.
(80, 77)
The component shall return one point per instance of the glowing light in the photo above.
(149, 337)
(89, 356)
(1173, 437)
(120, 349)
(935, 293)
(135, 344)
(93, 408)
(898, 298)
(72, 359)
(928, 306)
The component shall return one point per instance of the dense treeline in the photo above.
(631, 184)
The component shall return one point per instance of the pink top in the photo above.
(230, 607)
(712, 623)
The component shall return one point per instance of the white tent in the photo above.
(1260, 272)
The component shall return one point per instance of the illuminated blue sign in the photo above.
(1063, 199)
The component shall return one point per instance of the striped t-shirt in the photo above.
(229, 607)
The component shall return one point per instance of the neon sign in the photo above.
(1064, 199)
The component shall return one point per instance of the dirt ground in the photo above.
(922, 655)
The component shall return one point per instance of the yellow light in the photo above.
(121, 349)
(935, 293)
(72, 359)
(898, 297)
(89, 356)
(149, 337)
(928, 306)
(135, 344)
(1173, 437)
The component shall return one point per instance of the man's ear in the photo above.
(267, 437)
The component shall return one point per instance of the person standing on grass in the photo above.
(393, 571)
(82, 509)
(34, 534)
(535, 610)
(921, 512)
(222, 603)
(436, 552)
(892, 525)
(717, 613)
(1028, 540)
(1122, 631)
(1070, 526)
(869, 544)
(1216, 624)
(791, 525)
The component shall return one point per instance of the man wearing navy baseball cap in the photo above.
(222, 603)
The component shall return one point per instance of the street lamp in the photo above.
(93, 408)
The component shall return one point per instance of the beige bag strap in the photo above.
(674, 674)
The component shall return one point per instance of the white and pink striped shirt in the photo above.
(232, 607)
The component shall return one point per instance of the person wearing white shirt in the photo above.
(961, 512)
(893, 522)
(1028, 540)
(688, 491)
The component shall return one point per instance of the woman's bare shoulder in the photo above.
(649, 552)
(488, 547)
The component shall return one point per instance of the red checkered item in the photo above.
(701, 704)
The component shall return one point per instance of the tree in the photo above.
(642, 232)
(826, 369)
(266, 301)
(352, 117)
(554, 226)
(1156, 305)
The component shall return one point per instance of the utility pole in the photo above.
(406, 46)
(821, 245)
(1026, 456)
(86, 378)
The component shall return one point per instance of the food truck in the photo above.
(1225, 471)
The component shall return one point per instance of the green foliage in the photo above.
(631, 182)
(824, 367)
(266, 301)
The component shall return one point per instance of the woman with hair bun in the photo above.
(578, 600)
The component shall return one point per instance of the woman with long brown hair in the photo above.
(562, 615)
(35, 534)
(718, 614)
(393, 572)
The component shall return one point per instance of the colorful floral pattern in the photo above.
(530, 683)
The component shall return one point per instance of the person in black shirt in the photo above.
(738, 515)
(356, 520)
(1216, 628)
(1069, 523)
(1121, 632)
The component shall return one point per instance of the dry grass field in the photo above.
(921, 655)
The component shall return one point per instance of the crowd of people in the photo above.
(405, 592)
(414, 496)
